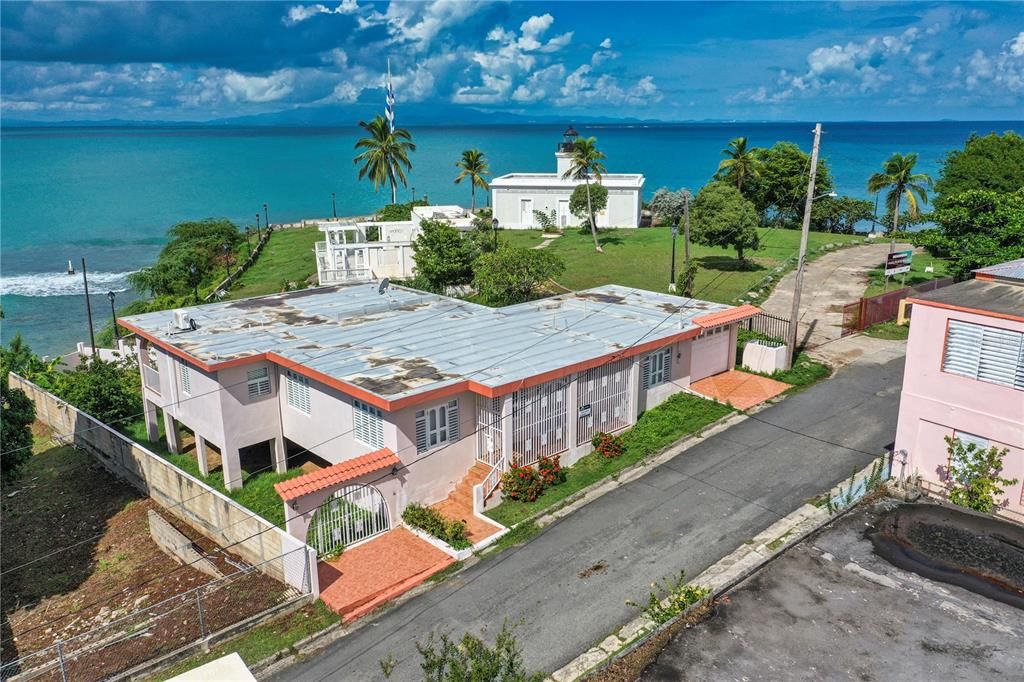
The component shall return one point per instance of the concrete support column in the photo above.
(506, 429)
(152, 427)
(204, 466)
(280, 455)
(572, 421)
(171, 433)
(636, 388)
(231, 466)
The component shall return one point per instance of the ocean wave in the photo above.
(60, 284)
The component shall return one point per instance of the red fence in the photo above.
(861, 314)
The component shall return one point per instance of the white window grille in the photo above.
(538, 422)
(488, 429)
(258, 382)
(603, 396)
(657, 367)
(297, 391)
(369, 424)
(437, 426)
(186, 379)
(988, 354)
(967, 440)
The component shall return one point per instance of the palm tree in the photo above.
(472, 165)
(742, 162)
(386, 155)
(899, 178)
(584, 164)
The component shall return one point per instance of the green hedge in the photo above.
(431, 521)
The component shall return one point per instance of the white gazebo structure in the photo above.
(374, 249)
(516, 196)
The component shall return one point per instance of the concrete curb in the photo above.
(720, 577)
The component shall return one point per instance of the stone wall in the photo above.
(218, 517)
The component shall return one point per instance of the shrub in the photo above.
(607, 445)
(551, 471)
(434, 523)
(679, 597)
(974, 475)
(523, 483)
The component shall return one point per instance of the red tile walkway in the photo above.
(379, 570)
(459, 505)
(740, 389)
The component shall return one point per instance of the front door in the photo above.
(526, 212)
(563, 213)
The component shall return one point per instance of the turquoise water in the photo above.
(110, 194)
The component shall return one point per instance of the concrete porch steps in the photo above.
(459, 504)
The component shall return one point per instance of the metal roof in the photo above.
(407, 342)
(555, 180)
(1013, 269)
(980, 295)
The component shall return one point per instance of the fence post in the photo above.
(60, 660)
(199, 607)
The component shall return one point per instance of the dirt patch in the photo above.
(111, 570)
(599, 567)
(978, 553)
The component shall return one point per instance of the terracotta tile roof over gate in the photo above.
(726, 316)
(336, 474)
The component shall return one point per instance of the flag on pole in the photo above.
(389, 108)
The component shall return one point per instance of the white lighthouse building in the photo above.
(515, 196)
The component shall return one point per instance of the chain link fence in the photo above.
(158, 629)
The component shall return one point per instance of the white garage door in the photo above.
(710, 354)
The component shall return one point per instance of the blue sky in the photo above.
(667, 61)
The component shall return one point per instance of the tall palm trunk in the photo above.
(895, 222)
(472, 190)
(593, 225)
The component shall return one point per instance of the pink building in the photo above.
(964, 377)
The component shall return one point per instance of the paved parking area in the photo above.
(742, 390)
(830, 609)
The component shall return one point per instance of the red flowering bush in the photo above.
(607, 445)
(523, 483)
(551, 471)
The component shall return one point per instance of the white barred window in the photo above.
(186, 379)
(258, 383)
(369, 424)
(984, 353)
(297, 391)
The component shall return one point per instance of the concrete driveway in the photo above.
(684, 515)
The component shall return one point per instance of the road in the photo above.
(686, 515)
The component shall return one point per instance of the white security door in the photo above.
(563, 213)
(526, 212)
(710, 353)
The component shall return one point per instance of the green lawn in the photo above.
(889, 330)
(680, 415)
(917, 275)
(257, 493)
(287, 257)
(642, 258)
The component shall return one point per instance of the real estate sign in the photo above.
(898, 262)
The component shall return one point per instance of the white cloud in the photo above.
(299, 13)
(606, 43)
(582, 87)
(1004, 70)
(418, 24)
(241, 87)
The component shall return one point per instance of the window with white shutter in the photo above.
(437, 426)
(258, 382)
(186, 378)
(297, 391)
(657, 367)
(988, 354)
(369, 424)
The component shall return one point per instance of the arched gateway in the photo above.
(351, 514)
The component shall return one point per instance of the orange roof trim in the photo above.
(727, 316)
(336, 474)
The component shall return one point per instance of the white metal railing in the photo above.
(492, 480)
(603, 396)
(489, 432)
(151, 378)
(538, 423)
(350, 275)
(352, 514)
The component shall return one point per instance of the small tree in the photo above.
(668, 205)
(17, 412)
(722, 217)
(108, 391)
(443, 256)
(470, 659)
(512, 275)
(974, 475)
(586, 211)
(839, 214)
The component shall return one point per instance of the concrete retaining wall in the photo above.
(220, 518)
(178, 547)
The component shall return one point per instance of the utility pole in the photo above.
(672, 271)
(687, 285)
(795, 314)
(88, 309)
(334, 206)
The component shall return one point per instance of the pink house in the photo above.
(964, 378)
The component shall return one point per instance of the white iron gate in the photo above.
(603, 396)
(488, 429)
(350, 514)
(538, 422)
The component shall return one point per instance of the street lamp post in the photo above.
(248, 231)
(494, 231)
(672, 272)
(258, 232)
(334, 205)
(266, 216)
(113, 316)
(414, 194)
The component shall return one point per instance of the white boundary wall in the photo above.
(218, 517)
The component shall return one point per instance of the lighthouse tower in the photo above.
(563, 157)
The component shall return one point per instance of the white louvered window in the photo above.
(258, 382)
(657, 367)
(988, 354)
(967, 440)
(297, 391)
(369, 424)
(437, 425)
(186, 378)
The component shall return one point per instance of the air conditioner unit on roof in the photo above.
(183, 321)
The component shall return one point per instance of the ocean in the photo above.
(110, 194)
